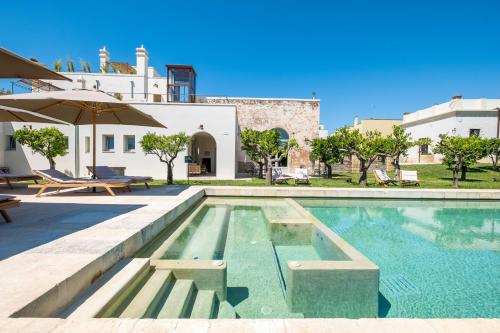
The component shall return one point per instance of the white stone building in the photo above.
(460, 117)
(213, 122)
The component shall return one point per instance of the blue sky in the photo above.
(376, 59)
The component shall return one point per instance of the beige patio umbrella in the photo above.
(81, 107)
(14, 115)
(14, 66)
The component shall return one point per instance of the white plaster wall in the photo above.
(217, 120)
(461, 121)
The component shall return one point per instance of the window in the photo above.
(474, 132)
(11, 143)
(129, 143)
(87, 144)
(132, 89)
(66, 142)
(108, 143)
(424, 149)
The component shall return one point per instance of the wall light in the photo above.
(200, 127)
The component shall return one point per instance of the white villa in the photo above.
(213, 122)
(461, 117)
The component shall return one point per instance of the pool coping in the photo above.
(80, 270)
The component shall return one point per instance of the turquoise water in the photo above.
(256, 267)
(436, 258)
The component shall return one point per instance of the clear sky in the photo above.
(376, 59)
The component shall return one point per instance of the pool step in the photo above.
(178, 301)
(147, 299)
(204, 304)
(226, 311)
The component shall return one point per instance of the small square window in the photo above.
(108, 143)
(11, 143)
(424, 149)
(129, 143)
(87, 144)
(474, 132)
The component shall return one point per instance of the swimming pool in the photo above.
(437, 259)
(249, 258)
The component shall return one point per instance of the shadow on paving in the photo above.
(36, 223)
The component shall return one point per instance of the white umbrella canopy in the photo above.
(13, 115)
(80, 107)
(14, 66)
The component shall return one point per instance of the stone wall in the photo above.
(298, 117)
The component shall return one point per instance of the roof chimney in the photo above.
(103, 58)
(141, 61)
(356, 120)
(406, 113)
(457, 97)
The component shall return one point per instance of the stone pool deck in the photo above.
(58, 245)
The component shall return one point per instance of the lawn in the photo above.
(480, 176)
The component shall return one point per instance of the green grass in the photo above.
(480, 176)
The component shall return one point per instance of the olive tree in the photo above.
(459, 153)
(166, 148)
(492, 150)
(420, 143)
(250, 139)
(328, 151)
(266, 147)
(366, 147)
(48, 142)
(396, 145)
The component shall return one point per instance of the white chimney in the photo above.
(142, 61)
(356, 120)
(103, 57)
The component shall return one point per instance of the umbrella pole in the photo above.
(94, 121)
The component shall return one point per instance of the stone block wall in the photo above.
(298, 117)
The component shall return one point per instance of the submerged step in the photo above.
(226, 311)
(178, 300)
(146, 300)
(203, 307)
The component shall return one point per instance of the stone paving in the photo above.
(58, 245)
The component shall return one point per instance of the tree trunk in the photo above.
(170, 176)
(397, 167)
(464, 172)
(52, 164)
(269, 174)
(261, 168)
(455, 180)
(419, 152)
(328, 171)
(364, 175)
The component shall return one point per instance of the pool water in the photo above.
(437, 259)
(256, 266)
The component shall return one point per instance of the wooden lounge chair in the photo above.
(7, 201)
(407, 177)
(105, 172)
(301, 176)
(59, 180)
(10, 178)
(382, 178)
(279, 177)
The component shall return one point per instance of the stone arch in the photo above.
(203, 149)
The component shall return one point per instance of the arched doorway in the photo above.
(283, 140)
(204, 152)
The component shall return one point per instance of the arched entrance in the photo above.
(284, 139)
(204, 152)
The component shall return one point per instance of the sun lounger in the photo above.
(382, 178)
(301, 176)
(10, 178)
(279, 177)
(105, 172)
(59, 180)
(7, 201)
(407, 177)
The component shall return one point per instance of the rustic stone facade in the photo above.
(298, 117)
